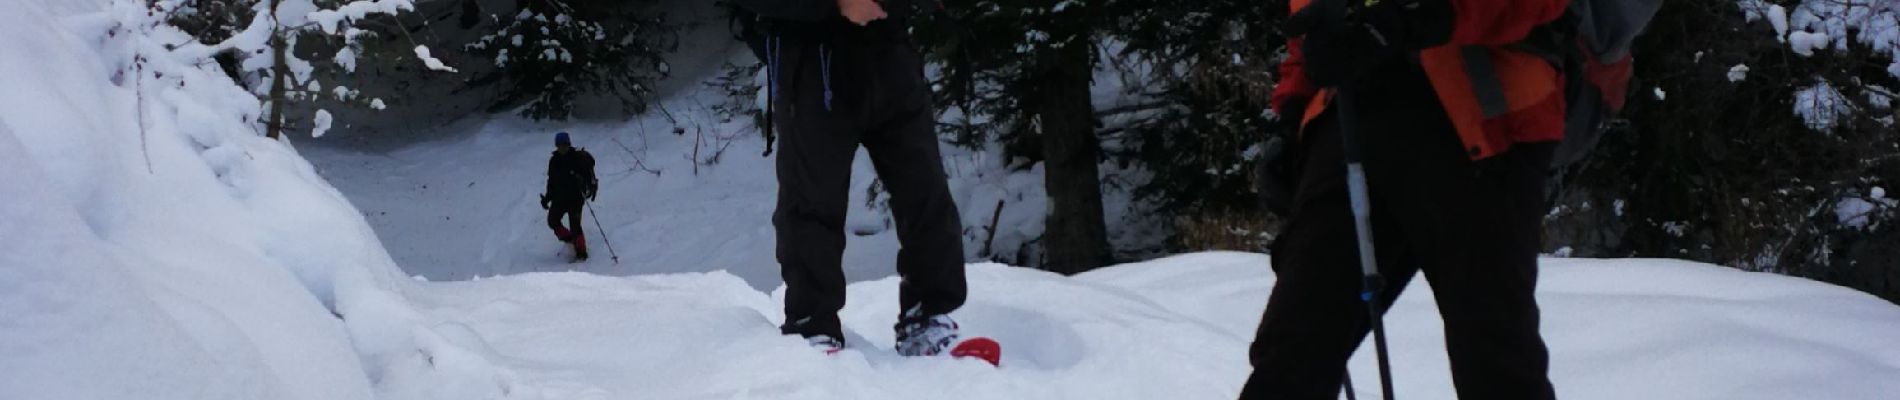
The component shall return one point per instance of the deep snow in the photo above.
(1172, 328)
(153, 246)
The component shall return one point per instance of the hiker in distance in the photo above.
(570, 184)
(1456, 127)
(844, 74)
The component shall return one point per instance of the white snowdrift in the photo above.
(1174, 328)
(152, 245)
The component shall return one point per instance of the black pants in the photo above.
(878, 99)
(1472, 227)
(572, 232)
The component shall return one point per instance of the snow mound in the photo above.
(1171, 328)
(152, 244)
(711, 335)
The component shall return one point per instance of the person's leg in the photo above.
(1483, 269)
(904, 149)
(574, 212)
(1314, 318)
(554, 223)
(815, 151)
(1474, 228)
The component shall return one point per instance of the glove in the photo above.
(1276, 174)
(544, 201)
(593, 189)
(1341, 48)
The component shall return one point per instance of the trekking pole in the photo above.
(1374, 283)
(603, 233)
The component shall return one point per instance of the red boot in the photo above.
(580, 245)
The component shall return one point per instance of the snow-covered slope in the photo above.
(153, 246)
(683, 189)
(1175, 328)
(467, 206)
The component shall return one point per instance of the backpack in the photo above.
(1591, 45)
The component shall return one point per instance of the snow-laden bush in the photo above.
(552, 52)
(1772, 151)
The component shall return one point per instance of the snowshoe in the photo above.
(937, 335)
(980, 348)
(925, 336)
(825, 343)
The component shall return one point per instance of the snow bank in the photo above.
(1174, 328)
(153, 245)
(712, 336)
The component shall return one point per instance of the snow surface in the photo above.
(1738, 73)
(1822, 107)
(154, 246)
(422, 53)
(1171, 328)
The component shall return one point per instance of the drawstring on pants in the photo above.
(824, 71)
(771, 89)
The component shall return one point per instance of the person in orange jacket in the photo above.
(1456, 128)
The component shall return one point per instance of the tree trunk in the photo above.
(280, 68)
(1075, 238)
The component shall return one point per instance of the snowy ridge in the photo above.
(1170, 328)
(153, 245)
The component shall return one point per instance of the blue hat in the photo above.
(560, 139)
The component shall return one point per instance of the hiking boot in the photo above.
(825, 343)
(925, 335)
(821, 333)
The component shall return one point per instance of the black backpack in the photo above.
(1591, 44)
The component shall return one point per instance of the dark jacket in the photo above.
(819, 21)
(570, 176)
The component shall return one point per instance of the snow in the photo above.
(422, 52)
(1660, 95)
(1858, 212)
(1738, 73)
(168, 282)
(1811, 25)
(203, 261)
(1821, 106)
(1778, 16)
(1804, 42)
(346, 58)
(322, 120)
(1170, 328)
(1853, 212)
(328, 20)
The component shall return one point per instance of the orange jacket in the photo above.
(1518, 99)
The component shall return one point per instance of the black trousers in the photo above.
(572, 212)
(1472, 227)
(830, 100)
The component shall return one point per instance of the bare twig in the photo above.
(138, 61)
(1131, 108)
(698, 137)
(995, 217)
(637, 162)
